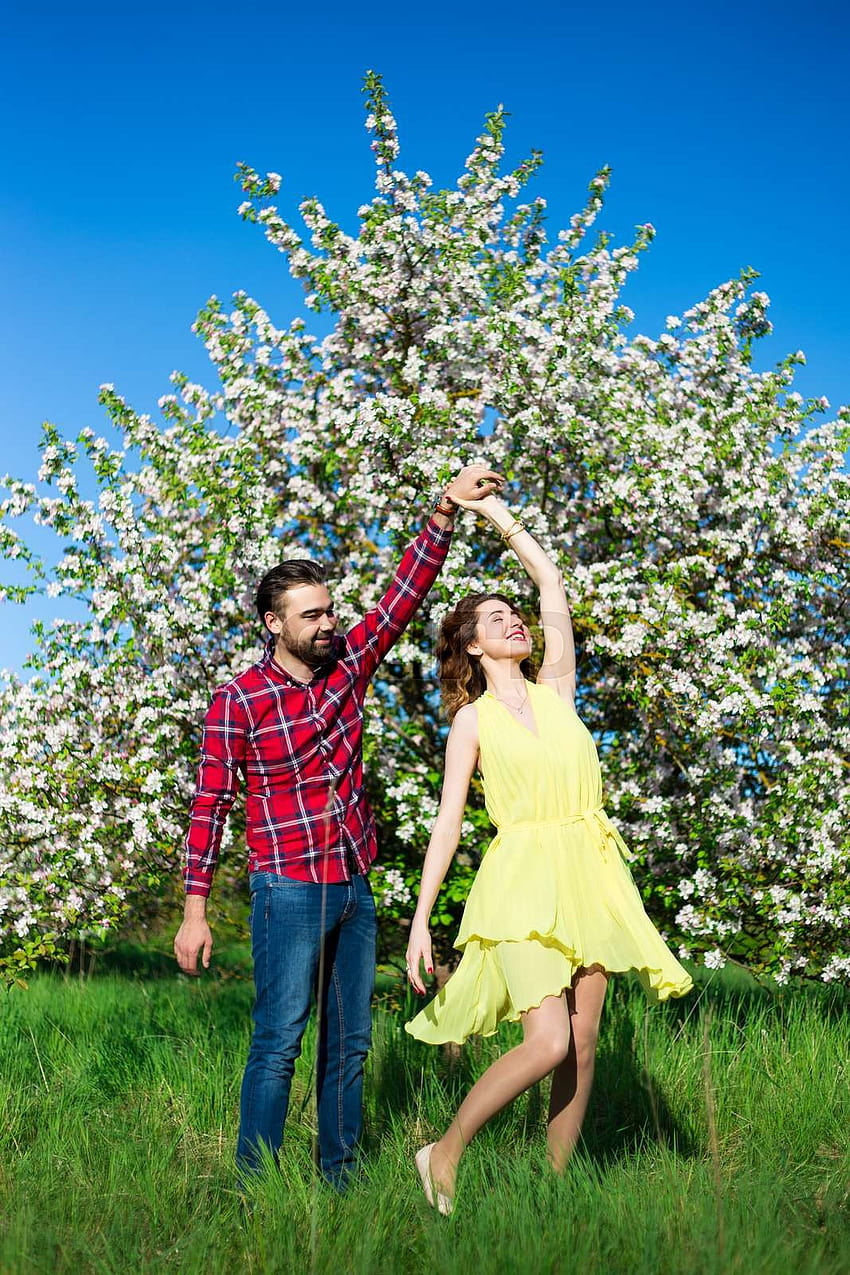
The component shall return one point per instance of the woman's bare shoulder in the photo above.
(562, 688)
(465, 720)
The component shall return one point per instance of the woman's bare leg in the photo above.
(573, 1078)
(546, 1040)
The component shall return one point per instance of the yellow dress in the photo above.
(553, 892)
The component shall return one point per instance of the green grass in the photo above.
(716, 1141)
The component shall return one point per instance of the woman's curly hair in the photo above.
(461, 676)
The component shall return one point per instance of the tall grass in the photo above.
(716, 1142)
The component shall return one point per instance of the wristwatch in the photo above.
(444, 505)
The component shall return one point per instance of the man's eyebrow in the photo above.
(317, 611)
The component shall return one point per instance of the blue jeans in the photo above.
(290, 921)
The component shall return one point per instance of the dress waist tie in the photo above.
(595, 818)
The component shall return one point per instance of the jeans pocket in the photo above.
(261, 885)
(269, 881)
(363, 893)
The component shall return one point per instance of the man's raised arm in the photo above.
(420, 565)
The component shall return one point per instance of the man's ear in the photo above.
(273, 623)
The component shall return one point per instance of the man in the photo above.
(291, 727)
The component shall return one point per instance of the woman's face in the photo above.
(500, 632)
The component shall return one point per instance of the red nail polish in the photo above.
(430, 971)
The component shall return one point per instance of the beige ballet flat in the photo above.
(443, 1203)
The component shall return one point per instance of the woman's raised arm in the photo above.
(558, 669)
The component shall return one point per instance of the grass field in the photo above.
(717, 1141)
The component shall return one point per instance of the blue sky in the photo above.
(726, 126)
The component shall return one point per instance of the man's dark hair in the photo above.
(286, 575)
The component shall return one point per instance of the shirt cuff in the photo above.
(198, 883)
(437, 533)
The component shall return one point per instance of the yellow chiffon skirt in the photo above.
(549, 899)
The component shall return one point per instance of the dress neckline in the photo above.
(535, 734)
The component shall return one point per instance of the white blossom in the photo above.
(697, 507)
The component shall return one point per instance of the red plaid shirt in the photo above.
(298, 747)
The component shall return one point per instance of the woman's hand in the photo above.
(484, 504)
(418, 952)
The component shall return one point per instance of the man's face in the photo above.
(307, 623)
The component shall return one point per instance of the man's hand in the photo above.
(473, 483)
(194, 936)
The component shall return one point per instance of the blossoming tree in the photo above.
(698, 508)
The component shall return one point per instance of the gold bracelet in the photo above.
(515, 527)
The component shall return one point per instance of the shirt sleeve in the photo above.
(222, 760)
(371, 638)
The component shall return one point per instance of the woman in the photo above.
(553, 909)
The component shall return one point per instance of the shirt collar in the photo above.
(270, 666)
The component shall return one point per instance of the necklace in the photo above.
(515, 708)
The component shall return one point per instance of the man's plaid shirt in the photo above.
(298, 747)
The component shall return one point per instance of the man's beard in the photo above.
(311, 651)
